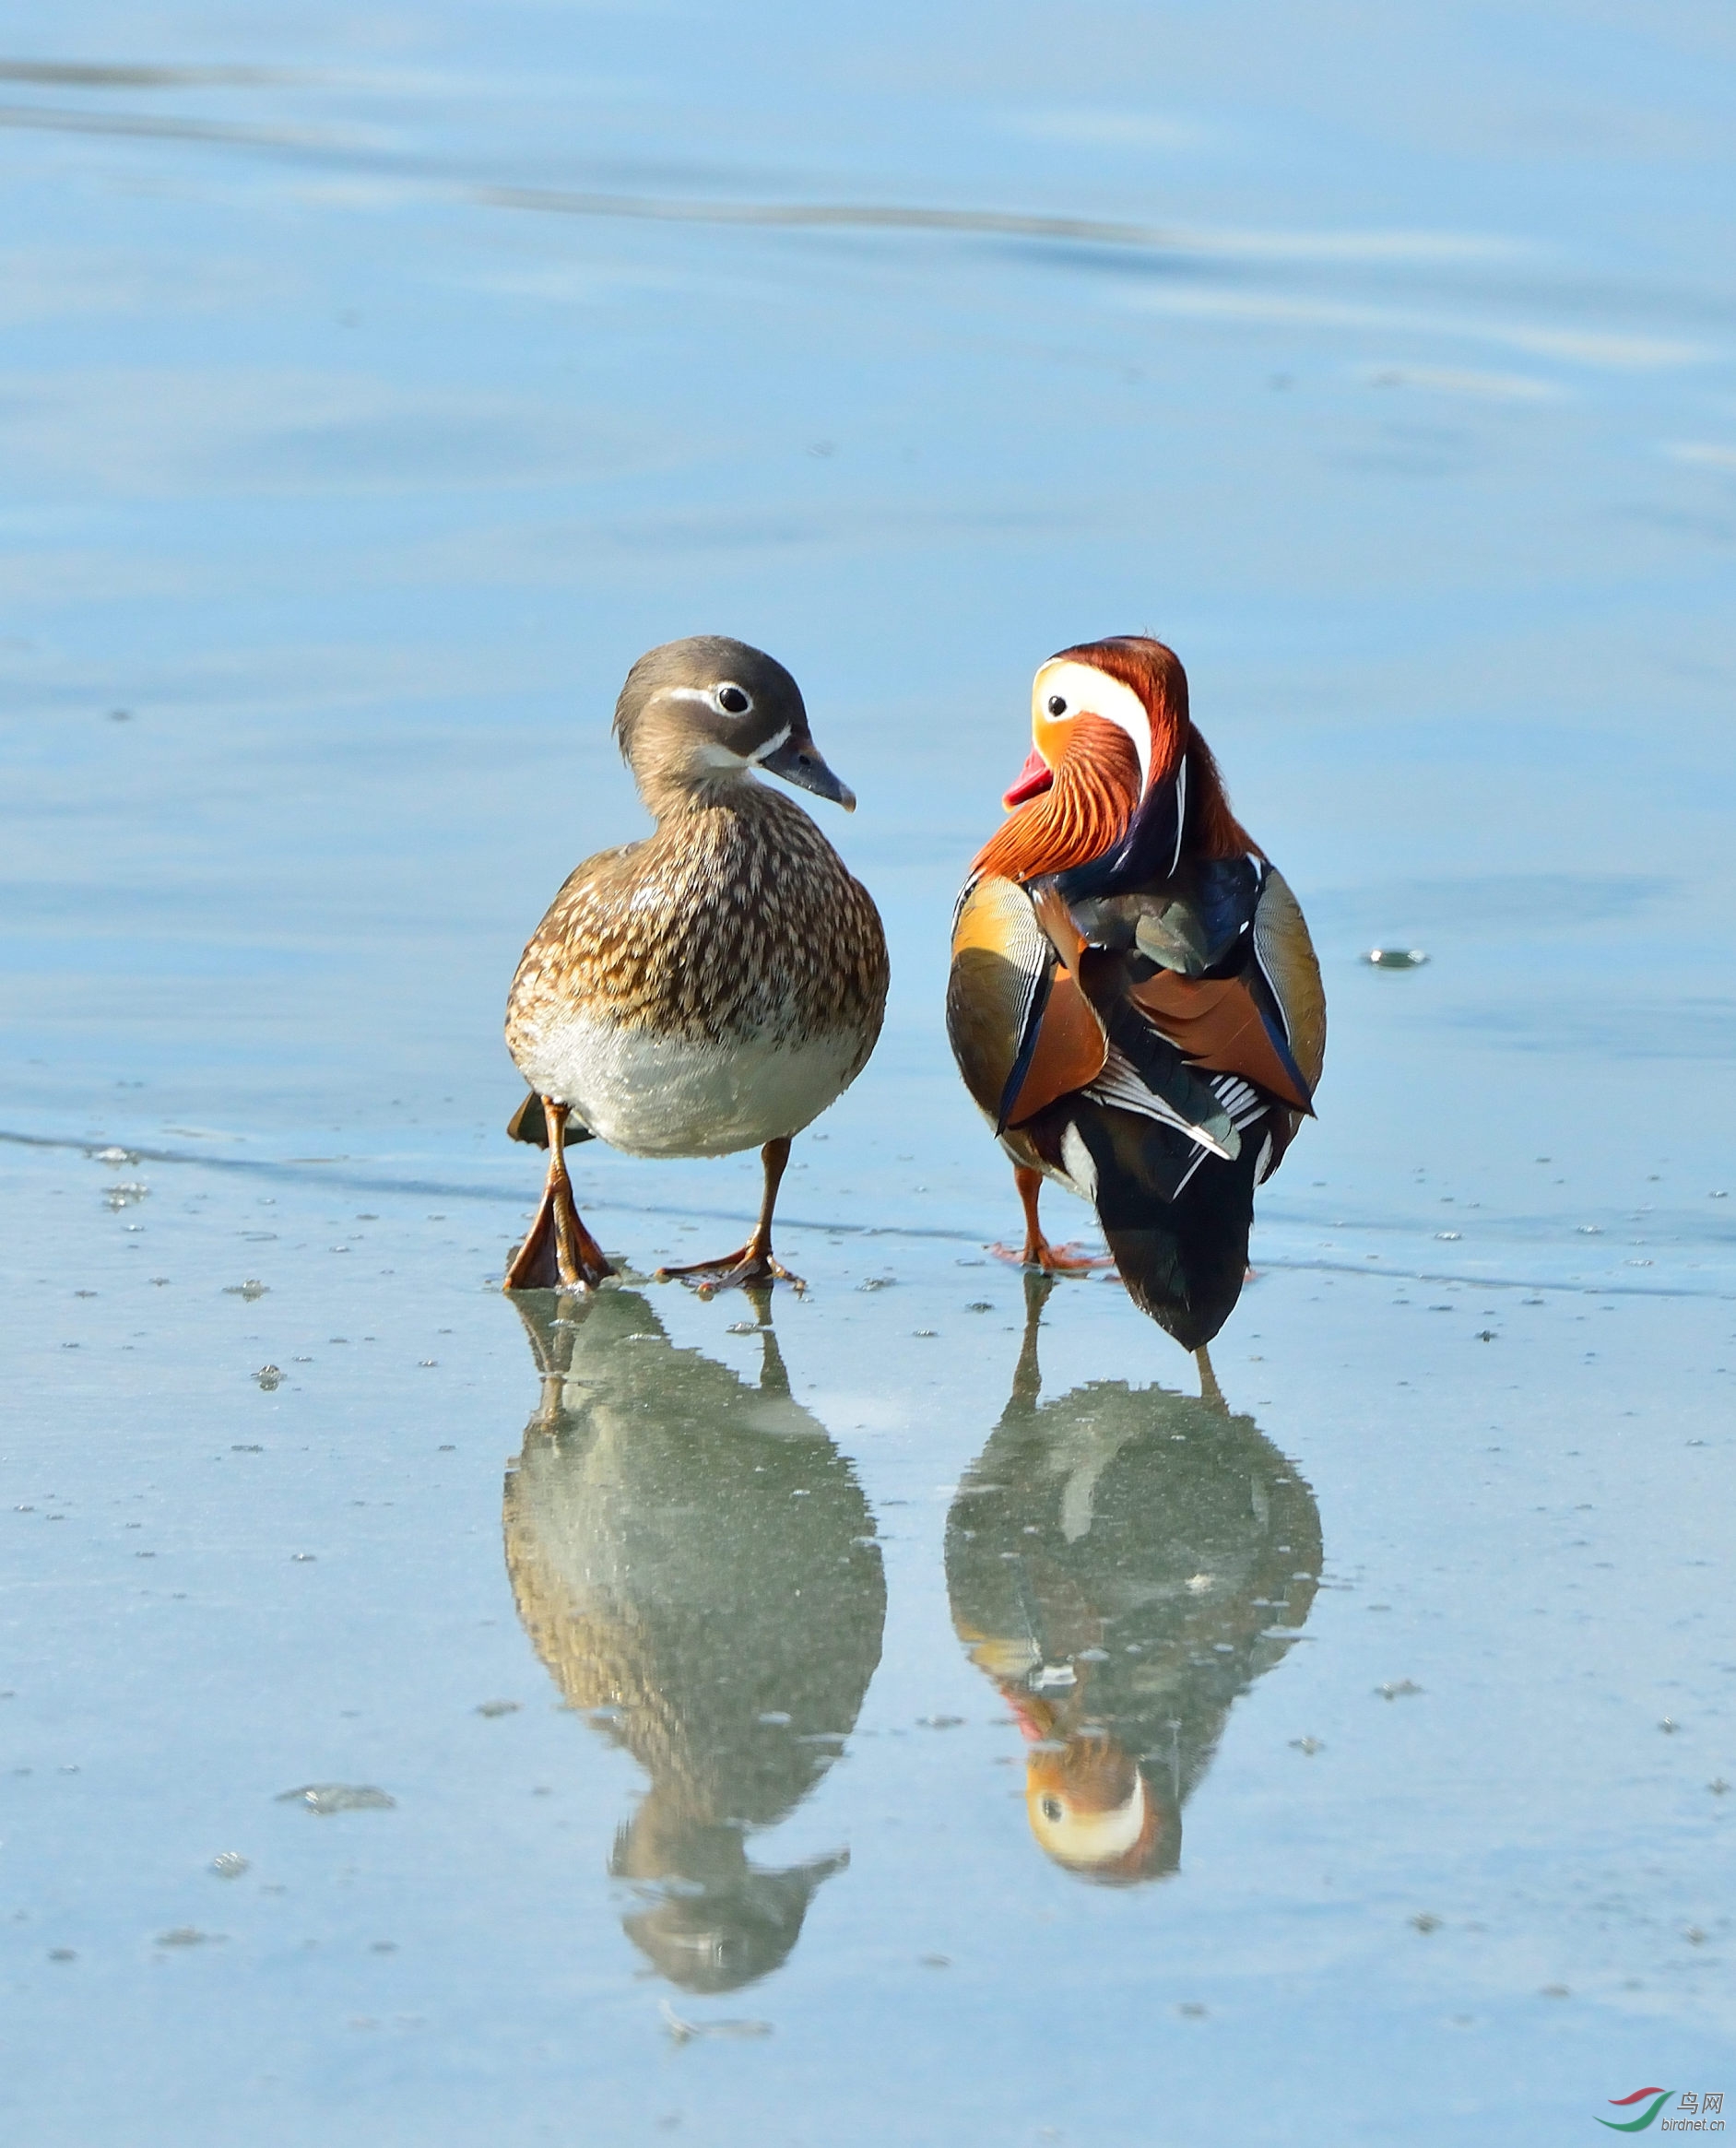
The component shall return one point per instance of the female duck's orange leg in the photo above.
(1036, 1251)
(559, 1253)
(751, 1264)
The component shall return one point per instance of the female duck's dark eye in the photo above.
(1053, 1809)
(1057, 705)
(733, 701)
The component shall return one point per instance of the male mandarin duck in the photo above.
(711, 988)
(1134, 1000)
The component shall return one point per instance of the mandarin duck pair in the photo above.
(1134, 1002)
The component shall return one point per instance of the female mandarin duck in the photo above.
(712, 988)
(1134, 1001)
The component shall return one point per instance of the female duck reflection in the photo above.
(696, 1556)
(1124, 1563)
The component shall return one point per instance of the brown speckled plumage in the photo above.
(736, 919)
(712, 988)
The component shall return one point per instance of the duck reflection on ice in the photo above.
(694, 1554)
(1124, 1563)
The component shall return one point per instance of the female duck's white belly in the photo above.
(661, 1096)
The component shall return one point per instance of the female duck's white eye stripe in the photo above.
(1083, 687)
(771, 746)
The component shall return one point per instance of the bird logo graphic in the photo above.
(1646, 2119)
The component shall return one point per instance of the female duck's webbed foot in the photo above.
(1036, 1251)
(559, 1253)
(750, 1266)
(1211, 1394)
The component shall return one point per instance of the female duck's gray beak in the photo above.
(799, 761)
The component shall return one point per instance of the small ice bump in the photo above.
(1395, 958)
(114, 1158)
(229, 1864)
(189, 1935)
(327, 1798)
(742, 1328)
(268, 1377)
(1395, 1689)
(877, 1282)
(497, 1708)
(1450, 1237)
(125, 1195)
(773, 1719)
(250, 1290)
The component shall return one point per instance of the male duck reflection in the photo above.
(713, 988)
(1124, 1563)
(693, 1554)
(1134, 1001)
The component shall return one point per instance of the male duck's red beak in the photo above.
(1033, 779)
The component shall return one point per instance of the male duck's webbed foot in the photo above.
(1036, 1252)
(559, 1253)
(751, 1266)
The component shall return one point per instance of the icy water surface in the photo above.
(903, 1711)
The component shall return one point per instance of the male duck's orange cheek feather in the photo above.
(1084, 811)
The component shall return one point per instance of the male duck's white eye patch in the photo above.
(734, 699)
(1080, 688)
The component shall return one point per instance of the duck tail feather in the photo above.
(529, 1123)
(1176, 1222)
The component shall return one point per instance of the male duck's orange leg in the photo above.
(752, 1263)
(559, 1253)
(1036, 1251)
